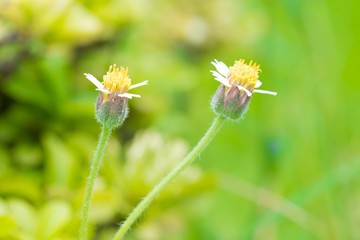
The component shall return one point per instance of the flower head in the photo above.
(239, 82)
(111, 105)
(116, 81)
(244, 76)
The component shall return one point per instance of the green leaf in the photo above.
(24, 214)
(60, 162)
(53, 218)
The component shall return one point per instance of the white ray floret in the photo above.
(129, 95)
(265, 92)
(245, 90)
(220, 78)
(100, 86)
(258, 84)
(222, 75)
(96, 82)
(146, 82)
(221, 67)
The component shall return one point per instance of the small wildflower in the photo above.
(239, 82)
(116, 81)
(111, 106)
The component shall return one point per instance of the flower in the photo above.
(239, 82)
(111, 105)
(244, 76)
(116, 81)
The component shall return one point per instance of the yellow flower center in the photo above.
(117, 80)
(245, 75)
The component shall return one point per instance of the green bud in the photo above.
(230, 102)
(111, 109)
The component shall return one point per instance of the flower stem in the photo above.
(145, 203)
(94, 170)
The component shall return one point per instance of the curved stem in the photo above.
(144, 204)
(94, 170)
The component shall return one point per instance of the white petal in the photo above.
(146, 82)
(245, 90)
(224, 81)
(220, 78)
(129, 95)
(258, 83)
(96, 82)
(104, 90)
(216, 74)
(265, 92)
(221, 67)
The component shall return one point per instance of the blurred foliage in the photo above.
(299, 148)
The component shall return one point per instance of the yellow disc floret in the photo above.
(117, 80)
(244, 74)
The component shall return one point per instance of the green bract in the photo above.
(113, 111)
(232, 104)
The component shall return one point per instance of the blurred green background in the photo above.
(289, 170)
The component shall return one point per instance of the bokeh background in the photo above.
(289, 170)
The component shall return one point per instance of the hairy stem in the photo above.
(145, 203)
(94, 170)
